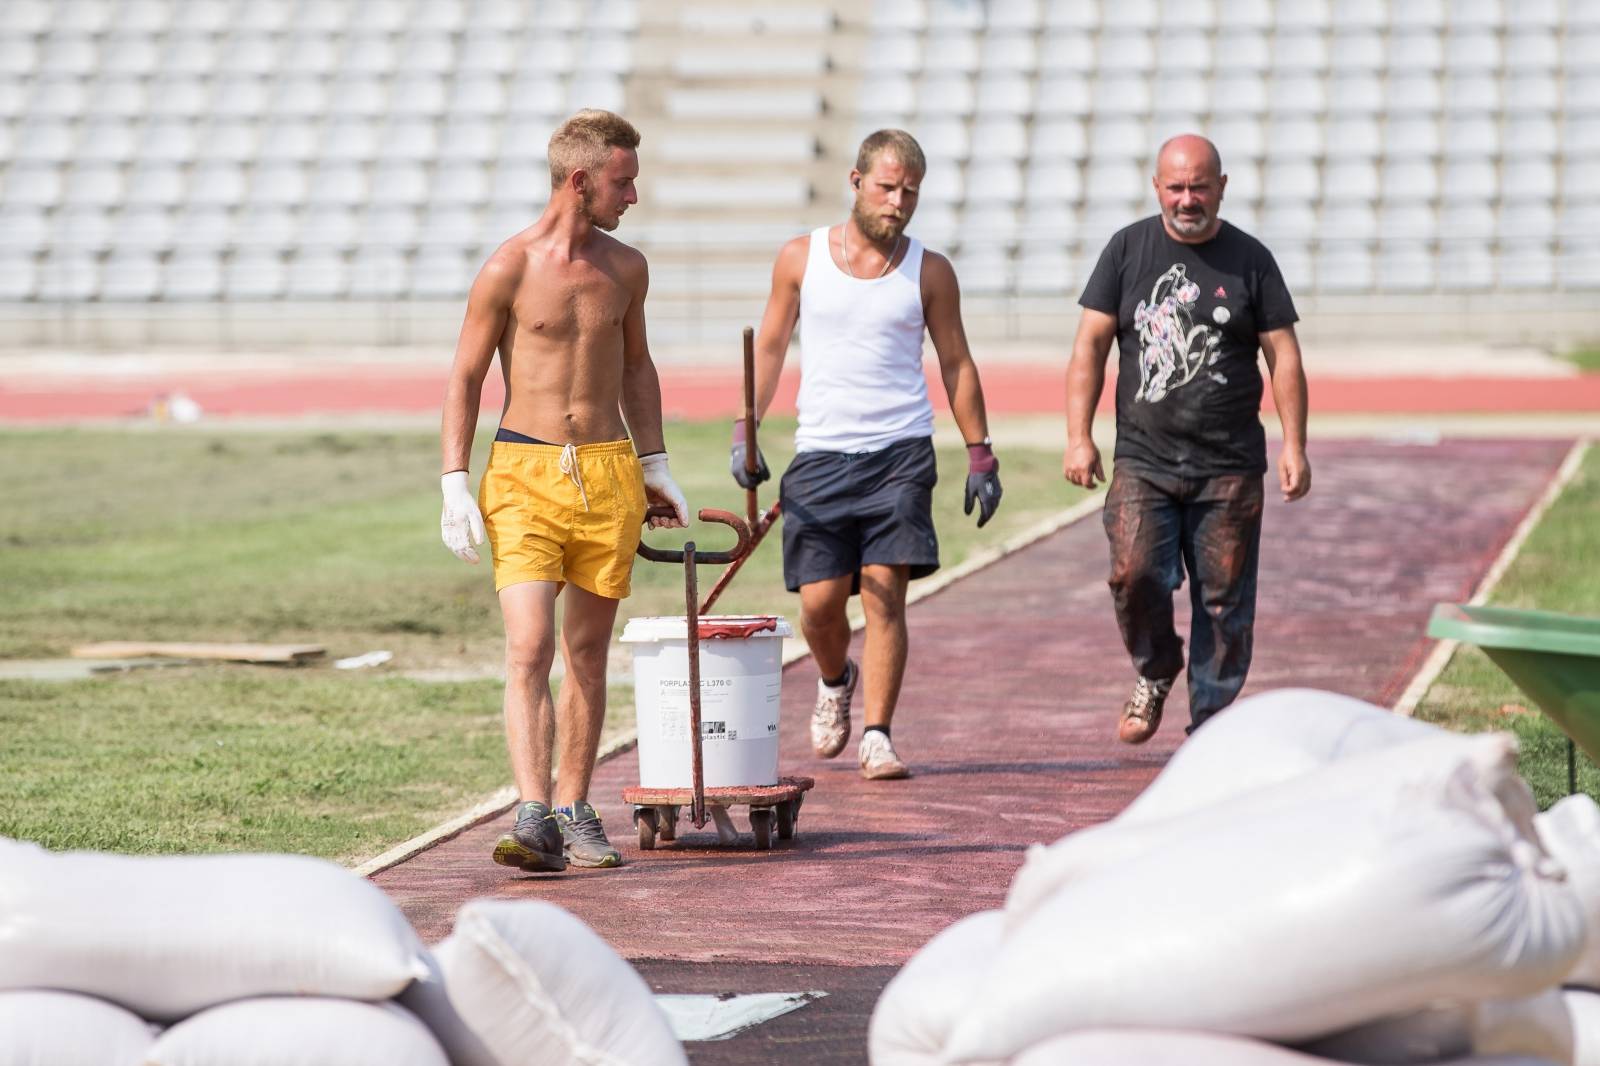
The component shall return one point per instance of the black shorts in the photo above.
(843, 511)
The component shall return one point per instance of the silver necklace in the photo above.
(844, 246)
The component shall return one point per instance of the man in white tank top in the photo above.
(857, 500)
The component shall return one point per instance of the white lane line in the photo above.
(1442, 652)
(721, 1017)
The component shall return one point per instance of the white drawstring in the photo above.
(569, 467)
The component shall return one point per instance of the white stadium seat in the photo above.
(1470, 178)
(950, 53)
(1058, 181)
(327, 226)
(150, 228)
(1353, 220)
(1344, 267)
(192, 275)
(1578, 263)
(1526, 264)
(156, 184)
(316, 273)
(1059, 138)
(86, 229)
(1467, 218)
(378, 274)
(1362, 50)
(1406, 266)
(1411, 137)
(337, 184)
(255, 275)
(1063, 95)
(307, 53)
(1466, 265)
(1350, 179)
(1408, 220)
(1070, 14)
(1533, 219)
(37, 185)
(1409, 180)
(132, 275)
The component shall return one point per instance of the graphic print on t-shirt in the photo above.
(1173, 348)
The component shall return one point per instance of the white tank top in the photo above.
(861, 383)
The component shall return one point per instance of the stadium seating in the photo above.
(376, 148)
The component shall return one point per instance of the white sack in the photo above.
(1156, 1047)
(1295, 921)
(296, 1031)
(1570, 831)
(1268, 738)
(919, 1007)
(1538, 1025)
(1402, 767)
(169, 936)
(1583, 1007)
(516, 976)
(66, 1029)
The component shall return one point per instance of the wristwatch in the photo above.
(986, 442)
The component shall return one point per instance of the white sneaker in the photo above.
(878, 759)
(830, 718)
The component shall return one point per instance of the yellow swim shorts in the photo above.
(569, 513)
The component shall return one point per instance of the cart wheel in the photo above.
(761, 824)
(667, 821)
(645, 819)
(788, 814)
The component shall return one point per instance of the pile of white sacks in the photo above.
(1310, 880)
(279, 960)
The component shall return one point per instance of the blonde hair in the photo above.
(897, 143)
(585, 141)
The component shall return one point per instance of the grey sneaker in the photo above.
(585, 838)
(534, 843)
(879, 761)
(830, 718)
(1141, 715)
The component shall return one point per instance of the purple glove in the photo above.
(983, 482)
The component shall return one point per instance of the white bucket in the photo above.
(740, 684)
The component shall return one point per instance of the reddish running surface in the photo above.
(698, 392)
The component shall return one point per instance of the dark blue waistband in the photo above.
(513, 437)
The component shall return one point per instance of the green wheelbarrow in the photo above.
(1553, 658)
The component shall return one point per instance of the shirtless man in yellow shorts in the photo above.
(565, 491)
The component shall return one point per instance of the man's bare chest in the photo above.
(578, 300)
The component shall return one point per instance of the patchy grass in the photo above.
(1557, 570)
(221, 758)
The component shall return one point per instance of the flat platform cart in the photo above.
(774, 809)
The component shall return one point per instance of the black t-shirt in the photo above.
(1188, 316)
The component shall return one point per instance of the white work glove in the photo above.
(461, 525)
(659, 488)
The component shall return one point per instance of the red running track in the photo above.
(696, 393)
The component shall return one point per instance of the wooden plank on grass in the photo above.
(244, 653)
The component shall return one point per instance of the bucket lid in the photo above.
(676, 627)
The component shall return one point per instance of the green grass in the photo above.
(1586, 358)
(291, 536)
(225, 758)
(1557, 570)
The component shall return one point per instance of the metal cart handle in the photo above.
(707, 514)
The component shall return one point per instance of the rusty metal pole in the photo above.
(697, 809)
(752, 510)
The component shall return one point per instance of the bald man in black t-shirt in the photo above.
(1190, 299)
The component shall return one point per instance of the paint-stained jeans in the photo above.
(1159, 527)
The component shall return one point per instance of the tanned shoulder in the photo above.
(792, 257)
(938, 276)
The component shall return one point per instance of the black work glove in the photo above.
(746, 479)
(983, 482)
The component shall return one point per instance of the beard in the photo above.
(1190, 225)
(876, 227)
(596, 220)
